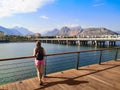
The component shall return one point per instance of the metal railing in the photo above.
(82, 39)
(19, 68)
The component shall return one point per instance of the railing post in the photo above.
(116, 54)
(77, 60)
(100, 57)
(45, 66)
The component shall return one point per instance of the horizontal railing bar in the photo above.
(7, 59)
(80, 51)
(80, 39)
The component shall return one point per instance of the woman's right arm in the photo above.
(34, 52)
(44, 52)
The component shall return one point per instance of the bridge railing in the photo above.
(83, 38)
(19, 68)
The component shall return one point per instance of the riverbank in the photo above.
(4, 41)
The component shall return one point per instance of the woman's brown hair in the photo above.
(38, 44)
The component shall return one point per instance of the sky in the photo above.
(40, 16)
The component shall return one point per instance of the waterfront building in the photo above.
(1, 34)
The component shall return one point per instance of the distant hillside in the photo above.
(64, 31)
(23, 31)
(5, 30)
(16, 31)
(52, 33)
(96, 32)
(118, 32)
(78, 31)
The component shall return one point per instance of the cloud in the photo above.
(68, 25)
(43, 17)
(98, 0)
(11, 7)
(98, 4)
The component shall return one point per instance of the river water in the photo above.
(24, 68)
(8, 50)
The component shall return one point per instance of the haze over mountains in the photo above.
(64, 31)
(16, 31)
(75, 31)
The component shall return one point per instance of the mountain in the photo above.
(6, 30)
(96, 32)
(23, 31)
(15, 31)
(118, 32)
(64, 31)
(78, 31)
(75, 31)
(51, 33)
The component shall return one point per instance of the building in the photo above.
(36, 35)
(1, 34)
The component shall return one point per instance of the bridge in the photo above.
(82, 41)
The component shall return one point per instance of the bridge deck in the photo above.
(93, 77)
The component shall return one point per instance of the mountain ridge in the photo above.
(78, 31)
(64, 31)
(21, 31)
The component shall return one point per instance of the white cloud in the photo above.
(10, 7)
(43, 17)
(68, 25)
(98, 0)
(98, 4)
(71, 25)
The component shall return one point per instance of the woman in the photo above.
(39, 60)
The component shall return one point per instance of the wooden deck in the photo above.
(94, 77)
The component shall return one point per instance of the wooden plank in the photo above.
(9, 87)
(68, 80)
(98, 85)
(108, 76)
(1, 87)
(26, 84)
(17, 86)
(54, 82)
(21, 85)
(35, 83)
(4, 87)
(29, 84)
(13, 86)
(105, 77)
(59, 80)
